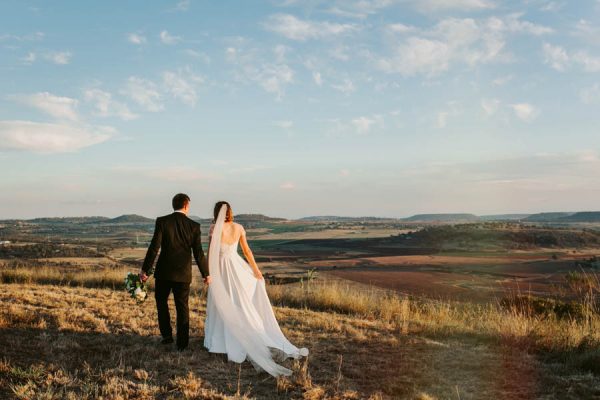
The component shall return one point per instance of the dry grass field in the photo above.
(82, 339)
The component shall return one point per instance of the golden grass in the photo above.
(546, 332)
(75, 338)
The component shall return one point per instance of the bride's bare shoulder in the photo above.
(239, 227)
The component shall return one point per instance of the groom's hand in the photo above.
(143, 276)
(207, 280)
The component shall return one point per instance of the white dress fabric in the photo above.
(239, 318)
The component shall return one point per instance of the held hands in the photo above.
(207, 280)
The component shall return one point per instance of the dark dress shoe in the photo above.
(168, 340)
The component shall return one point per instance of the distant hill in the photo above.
(334, 218)
(504, 217)
(68, 220)
(547, 217)
(130, 219)
(486, 236)
(256, 218)
(442, 218)
(585, 216)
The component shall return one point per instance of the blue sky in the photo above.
(294, 108)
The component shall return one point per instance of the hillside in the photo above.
(131, 219)
(504, 217)
(257, 218)
(68, 220)
(586, 216)
(547, 217)
(494, 236)
(442, 218)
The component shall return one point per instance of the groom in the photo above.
(177, 237)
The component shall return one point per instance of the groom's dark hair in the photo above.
(180, 200)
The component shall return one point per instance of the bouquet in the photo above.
(135, 287)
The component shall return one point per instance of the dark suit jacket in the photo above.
(177, 237)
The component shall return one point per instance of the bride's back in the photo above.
(231, 232)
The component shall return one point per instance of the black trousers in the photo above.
(181, 294)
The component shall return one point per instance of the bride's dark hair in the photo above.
(228, 216)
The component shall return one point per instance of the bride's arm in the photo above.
(248, 254)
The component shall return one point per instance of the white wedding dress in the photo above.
(239, 318)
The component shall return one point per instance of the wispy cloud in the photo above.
(136, 38)
(59, 57)
(62, 108)
(346, 86)
(183, 5)
(590, 94)
(444, 5)
(35, 36)
(182, 84)
(285, 124)
(295, 28)
(145, 93)
(167, 38)
(560, 59)
(525, 111)
(50, 137)
(490, 106)
(106, 106)
(454, 41)
(363, 124)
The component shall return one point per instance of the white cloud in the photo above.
(205, 58)
(591, 94)
(456, 41)
(250, 68)
(346, 86)
(525, 111)
(560, 59)
(59, 57)
(49, 137)
(135, 38)
(555, 56)
(444, 5)
(30, 58)
(296, 29)
(183, 5)
(24, 38)
(587, 31)
(399, 28)
(588, 62)
(490, 106)
(418, 55)
(273, 78)
(363, 125)
(317, 78)
(169, 39)
(287, 186)
(182, 85)
(63, 108)
(145, 93)
(340, 53)
(284, 124)
(106, 106)
(552, 6)
(502, 80)
(359, 9)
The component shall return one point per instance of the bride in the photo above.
(239, 319)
